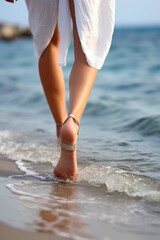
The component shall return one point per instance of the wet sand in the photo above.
(8, 232)
(8, 167)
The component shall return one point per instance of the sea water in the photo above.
(117, 192)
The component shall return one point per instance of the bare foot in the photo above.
(67, 164)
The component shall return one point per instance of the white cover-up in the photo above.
(95, 24)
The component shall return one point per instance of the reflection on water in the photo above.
(60, 216)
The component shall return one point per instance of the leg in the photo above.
(52, 80)
(81, 81)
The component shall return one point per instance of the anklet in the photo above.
(68, 147)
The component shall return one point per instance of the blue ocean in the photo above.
(117, 192)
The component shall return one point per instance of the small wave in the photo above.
(146, 125)
(118, 180)
(33, 100)
(155, 68)
(134, 185)
(110, 109)
(128, 86)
